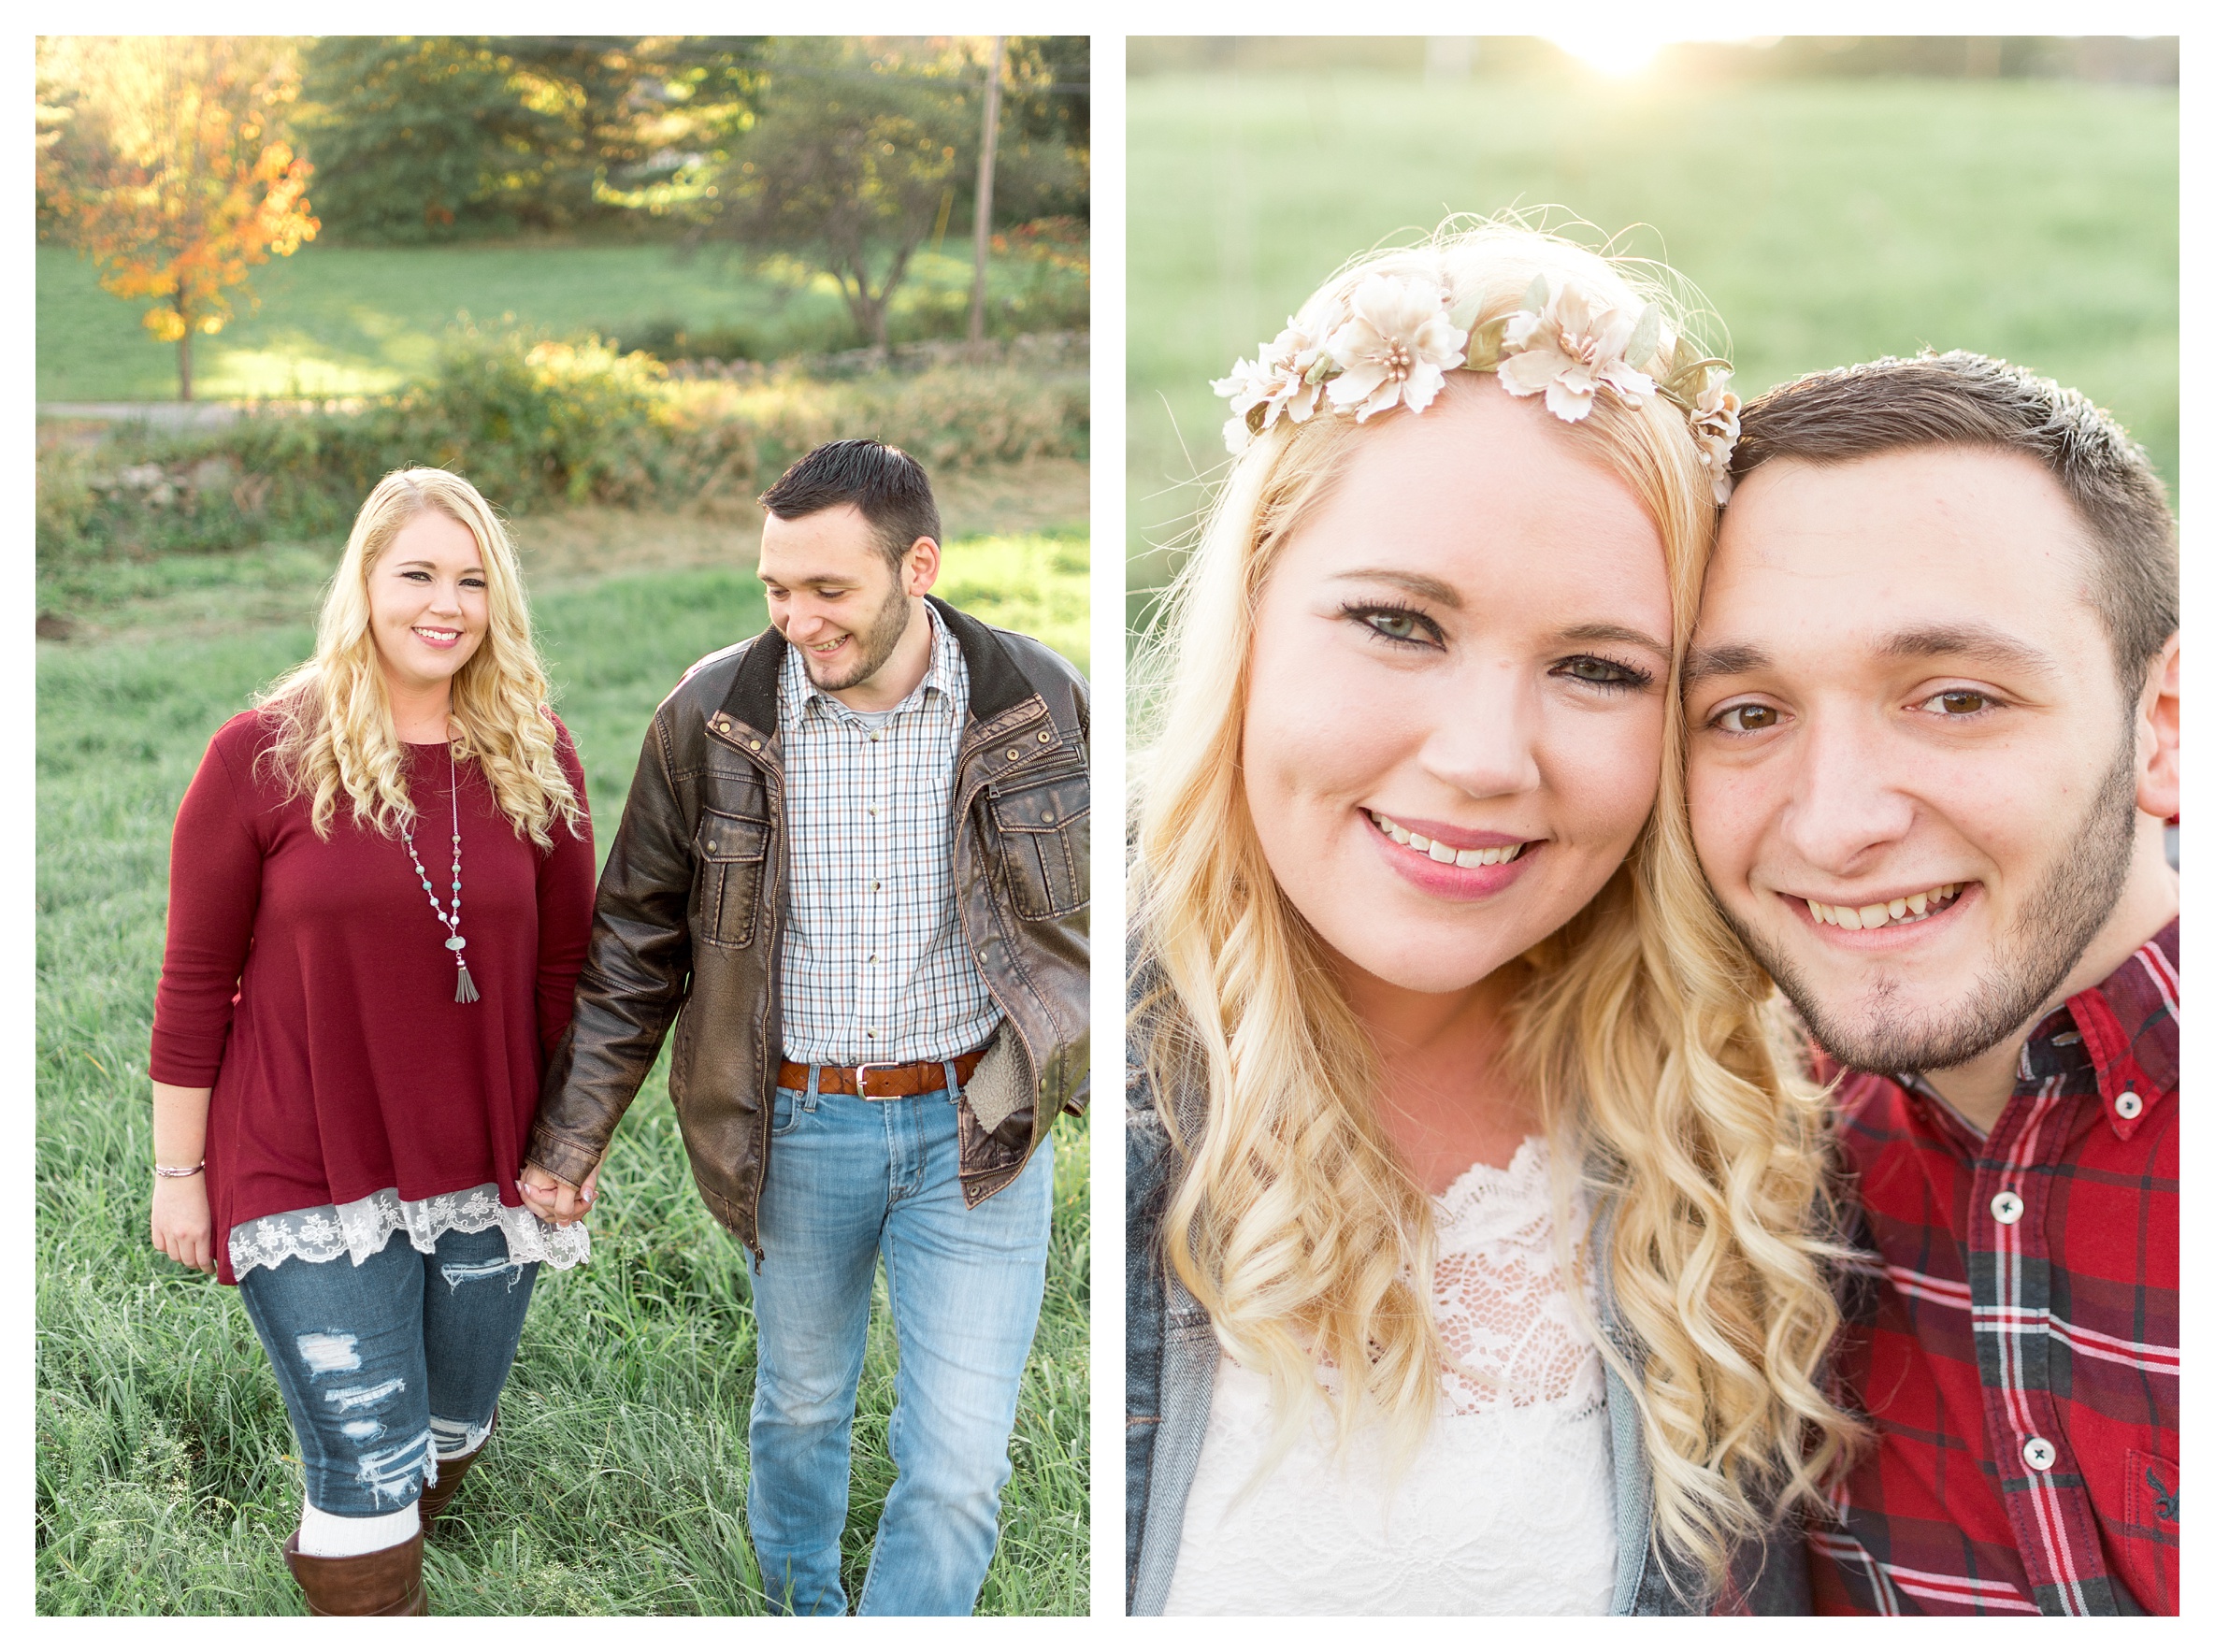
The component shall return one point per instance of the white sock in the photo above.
(335, 1535)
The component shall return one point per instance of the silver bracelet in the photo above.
(180, 1170)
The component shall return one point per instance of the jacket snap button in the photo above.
(2039, 1453)
(2007, 1209)
(1014, 754)
(1049, 817)
(755, 743)
(710, 845)
(2127, 1105)
(1044, 734)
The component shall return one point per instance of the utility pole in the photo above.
(976, 290)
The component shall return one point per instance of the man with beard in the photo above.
(852, 869)
(1933, 699)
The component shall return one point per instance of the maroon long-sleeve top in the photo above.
(307, 982)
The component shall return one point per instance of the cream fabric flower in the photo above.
(1396, 348)
(1715, 430)
(1276, 380)
(1568, 348)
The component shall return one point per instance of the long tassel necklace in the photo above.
(465, 990)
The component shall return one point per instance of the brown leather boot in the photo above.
(451, 1469)
(384, 1582)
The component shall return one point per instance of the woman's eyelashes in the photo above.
(1599, 671)
(1402, 626)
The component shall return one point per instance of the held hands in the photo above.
(183, 1229)
(553, 1199)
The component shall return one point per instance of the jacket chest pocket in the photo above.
(730, 852)
(1045, 835)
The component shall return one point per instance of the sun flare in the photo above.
(1616, 52)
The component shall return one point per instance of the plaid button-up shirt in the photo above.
(874, 965)
(2017, 1349)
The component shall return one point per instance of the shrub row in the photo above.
(538, 423)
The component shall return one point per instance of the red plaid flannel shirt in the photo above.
(2017, 1349)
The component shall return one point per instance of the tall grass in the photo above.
(164, 1474)
(536, 423)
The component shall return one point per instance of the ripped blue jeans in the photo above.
(386, 1366)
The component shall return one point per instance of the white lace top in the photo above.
(360, 1228)
(1509, 1508)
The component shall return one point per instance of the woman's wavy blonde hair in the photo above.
(1646, 1032)
(332, 716)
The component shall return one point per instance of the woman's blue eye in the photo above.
(1396, 624)
(1588, 669)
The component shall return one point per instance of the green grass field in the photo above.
(1826, 222)
(338, 320)
(164, 1482)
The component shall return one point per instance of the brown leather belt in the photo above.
(891, 1080)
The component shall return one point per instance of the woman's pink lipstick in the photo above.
(1497, 858)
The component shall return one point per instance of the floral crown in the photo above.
(1392, 343)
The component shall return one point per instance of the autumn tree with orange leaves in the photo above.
(163, 159)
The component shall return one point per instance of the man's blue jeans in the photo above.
(384, 1365)
(850, 1178)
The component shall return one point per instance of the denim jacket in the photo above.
(1169, 1381)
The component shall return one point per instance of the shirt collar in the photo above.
(2128, 1023)
(2123, 1029)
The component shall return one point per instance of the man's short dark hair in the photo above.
(1964, 400)
(889, 489)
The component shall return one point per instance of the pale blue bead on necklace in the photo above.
(465, 990)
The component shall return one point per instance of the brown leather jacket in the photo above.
(691, 917)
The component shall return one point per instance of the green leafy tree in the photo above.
(693, 99)
(436, 138)
(415, 135)
(852, 158)
(859, 152)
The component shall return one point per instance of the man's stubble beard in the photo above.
(877, 640)
(2057, 925)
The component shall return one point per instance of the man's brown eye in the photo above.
(1962, 702)
(1747, 719)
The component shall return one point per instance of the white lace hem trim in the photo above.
(360, 1228)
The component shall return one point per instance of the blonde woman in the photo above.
(346, 1055)
(1476, 1258)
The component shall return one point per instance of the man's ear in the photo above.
(919, 566)
(2160, 750)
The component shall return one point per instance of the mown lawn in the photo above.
(1826, 222)
(615, 1482)
(336, 320)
